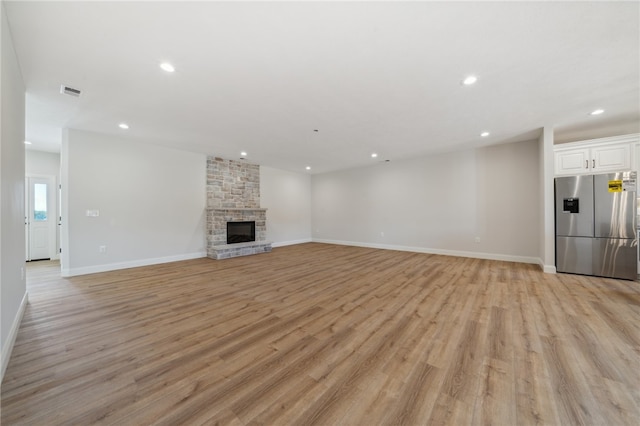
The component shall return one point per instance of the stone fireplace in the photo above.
(233, 195)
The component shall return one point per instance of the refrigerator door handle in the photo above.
(594, 163)
(586, 165)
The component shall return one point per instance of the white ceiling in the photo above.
(370, 77)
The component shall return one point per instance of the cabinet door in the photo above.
(572, 161)
(611, 158)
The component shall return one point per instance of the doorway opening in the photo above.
(40, 218)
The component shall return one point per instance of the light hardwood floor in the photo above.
(326, 335)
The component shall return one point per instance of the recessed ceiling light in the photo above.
(308, 167)
(167, 67)
(484, 134)
(244, 154)
(27, 143)
(124, 126)
(374, 155)
(469, 80)
(596, 112)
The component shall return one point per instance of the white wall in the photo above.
(151, 203)
(437, 204)
(42, 163)
(13, 291)
(287, 198)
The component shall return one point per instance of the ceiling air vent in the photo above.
(66, 90)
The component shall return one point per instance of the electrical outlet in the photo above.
(477, 239)
(382, 233)
(102, 249)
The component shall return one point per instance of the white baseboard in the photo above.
(471, 254)
(7, 347)
(71, 272)
(290, 243)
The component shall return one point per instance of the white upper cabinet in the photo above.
(595, 156)
(611, 158)
(573, 161)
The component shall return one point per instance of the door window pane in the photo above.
(40, 201)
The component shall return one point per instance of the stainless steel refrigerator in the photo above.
(596, 225)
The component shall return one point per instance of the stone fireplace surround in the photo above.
(233, 195)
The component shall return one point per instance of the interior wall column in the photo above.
(547, 225)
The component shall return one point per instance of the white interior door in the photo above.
(40, 218)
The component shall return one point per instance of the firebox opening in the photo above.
(241, 232)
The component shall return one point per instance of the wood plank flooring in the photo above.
(317, 334)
